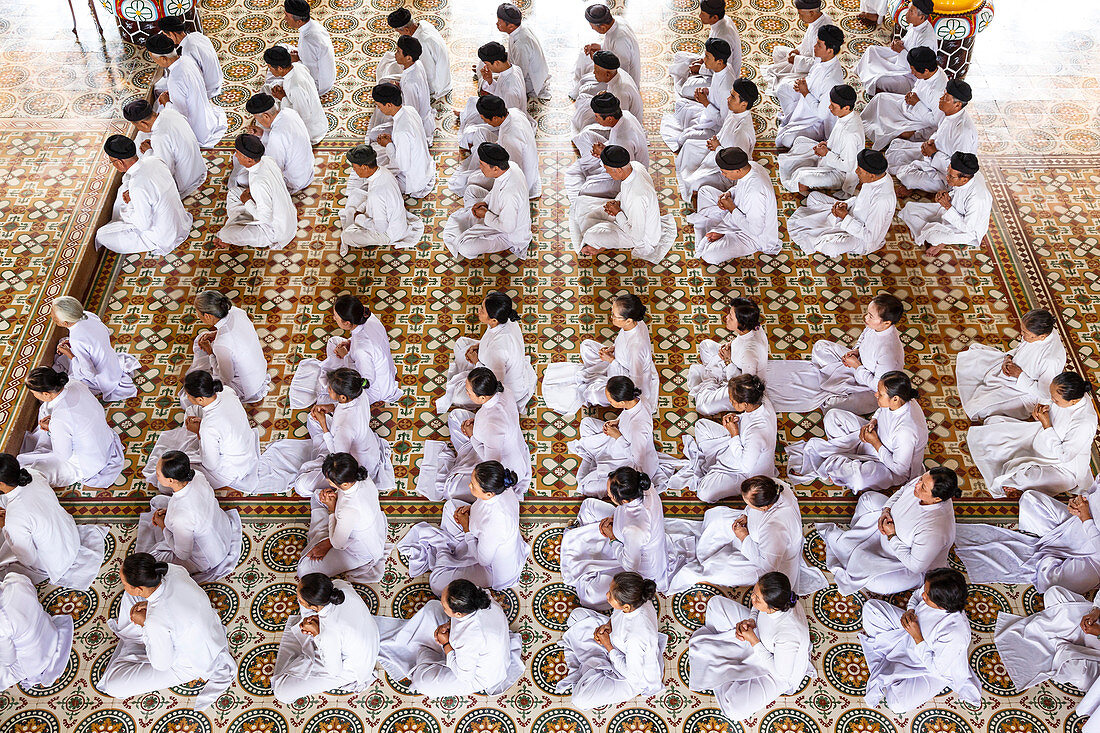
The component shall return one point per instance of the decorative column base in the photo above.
(137, 19)
(956, 23)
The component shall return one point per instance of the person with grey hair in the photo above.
(231, 350)
(525, 50)
(186, 91)
(86, 353)
(314, 49)
(616, 37)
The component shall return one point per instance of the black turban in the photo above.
(399, 18)
(121, 147)
(490, 105)
(807, 4)
(172, 24)
(960, 90)
(748, 91)
(363, 154)
(925, 6)
(491, 52)
(965, 163)
(731, 159)
(386, 93)
(598, 14)
(137, 110)
(605, 103)
(615, 156)
(299, 8)
(278, 57)
(605, 60)
(493, 154)
(160, 45)
(843, 95)
(259, 103)
(872, 161)
(509, 13)
(250, 146)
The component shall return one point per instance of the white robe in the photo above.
(708, 380)
(416, 94)
(357, 531)
(836, 169)
(187, 94)
(680, 66)
(587, 176)
(516, 134)
(375, 215)
(407, 154)
(369, 353)
(744, 678)
(302, 97)
(269, 218)
(484, 656)
(985, 391)
(780, 70)
(492, 554)
(691, 120)
(908, 674)
(619, 40)
(34, 646)
(199, 47)
(888, 115)
(751, 228)
(639, 227)
(342, 655)
(175, 143)
(525, 51)
(317, 54)
(623, 86)
(236, 357)
(600, 453)
(182, 640)
(95, 362)
(41, 540)
(882, 69)
(502, 350)
(808, 115)
(861, 557)
(696, 164)
(634, 666)
(863, 231)
(956, 133)
(287, 143)
(436, 59)
(154, 220)
(965, 223)
(446, 468)
(80, 446)
(508, 85)
(505, 226)
(1024, 455)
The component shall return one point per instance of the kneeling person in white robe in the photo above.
(314, 49)
(741, 221)
(167, 135)
(745, 353)
(87, 354)
(186, 90)
(402, 146)
(35, 645)
(260, 214)
(916, 113)
(922, 165)
(285, 139)
(294, 87)
(913, 654)
(436, 58)
(375, 214)
(231, 349)
(960, 214)
(502, 220)
(832, 163)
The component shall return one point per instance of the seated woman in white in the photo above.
(566, 386)
(493, 433)
(86, 353)
(626, 534)
(749, 658)
(875, 454)
(994, 382)
(332, 642)
(347, 527)
(366, 350)
(893, 542)
(340, 425)
(500, 349)
(458, 645)
(613, 660)
(168, 634)
(735, 547)
(1050, 453)
(188, 527)
(913, 654)
(73, 444)
(722, 455)
(38, 538)
(216, 436)
(478, 541)
(231, 350)
(745, 353)
(34, 646)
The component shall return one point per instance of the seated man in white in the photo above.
(913, 655)
(404, 147)
(618, 38)
(413, 82)
(375, 214)
(700, 116)
(314, 49)
(285, 139)
(148, 215)
(804, 102)
(613, 126)
(696, 163)
(499, 222)
(960, 214)
(857, 226)
(291, 84)
(884, 68)
(261, 213)
(436, 58)
(631, 221)
(87, 354)
(607, 76)
(913, 114)
(513, 131)
(186, 91)
(36, 645)
(719, 362)
(687, 69)
(741, 221)
(832, 163)
(525, 50)
(231, 350)
(922, 165)
(198, 47)
(498, 76)
(789, 63)
(167, 135)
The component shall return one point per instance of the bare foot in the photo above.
(803, 189)
(907, 135)
(901, 190)
(589, 251)
(934, 250)
(869, 18)
(1011, 493)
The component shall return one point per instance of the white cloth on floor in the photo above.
(317, 54)
(153, 220)
(956, 133)
(525, 51)
(708, 380)
(863, 231)
(356, 531)
(369, 353)
(269, 218)
(619, 40)
(965, 223)
(302, 97)
(836, 169)
(375, 214)
(985, 390)
(500, 349)
(881, 68)
(407, 154)
(600, 453)
(236, 357)
(436, 59)
(888, 115)
(174, 142)
(696, 163)
(638, 227)
(505, 226)
(34, 646)
(188, 95)
(96, 363)
(780, 70)
(808, 115)
(751, 228)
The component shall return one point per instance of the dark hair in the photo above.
(350, 309)
(760, 491)
(465, 597)
(347, 382)
(775, 589)
(719, 49)
(747, 388)
(630, 307)
(833, 40)
(890, 308)
(410, 46)
(11, 473)
(342, 468)
(947, 589)
(201, 384)
(897, 384)
(1071, 385)
(747, 313)
(1039, 322)
(45, 379)
(494, 478)
(500, 308)
(627, 484)
(945, 483)
(483, 382)
(317, 589)
(633, 590)
(142, 570)
(177, 466)
(622, 389)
